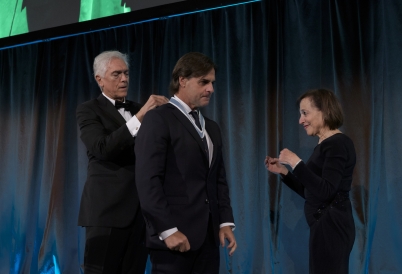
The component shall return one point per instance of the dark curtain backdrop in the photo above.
(268, 53)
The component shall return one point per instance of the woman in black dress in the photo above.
(324, 181)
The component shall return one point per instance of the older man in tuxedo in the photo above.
(180, 176)
(109, 204)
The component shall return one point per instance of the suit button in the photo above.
(206, 201)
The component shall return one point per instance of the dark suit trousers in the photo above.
(116, 250)
(202, 261)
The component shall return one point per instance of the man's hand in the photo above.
(227, 233)
(153, 102)
(177, 242)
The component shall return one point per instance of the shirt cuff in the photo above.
(133, 125)
(293, 167)
(228, 224)
(167, 233)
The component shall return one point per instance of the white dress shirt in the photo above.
(133, 124)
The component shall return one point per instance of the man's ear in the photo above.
(99, 80)
(182, 81)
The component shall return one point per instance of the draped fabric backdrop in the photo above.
(268, 53)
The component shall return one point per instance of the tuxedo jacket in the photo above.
(176, 185)
(110, 196)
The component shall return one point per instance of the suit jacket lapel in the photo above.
(108, 107)
(189, 126)
(214, 138)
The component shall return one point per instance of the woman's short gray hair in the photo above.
(102, 61)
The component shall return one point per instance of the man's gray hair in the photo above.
(102, 61)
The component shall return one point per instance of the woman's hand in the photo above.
(273, 165)
(287, 157)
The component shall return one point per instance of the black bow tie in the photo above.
(119, 105)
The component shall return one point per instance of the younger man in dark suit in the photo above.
(180, 176)
(109, 204)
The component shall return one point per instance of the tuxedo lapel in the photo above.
(189, 126)
(109, 108)
(133, 108)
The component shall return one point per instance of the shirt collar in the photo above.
(112, 100)
(186, 107)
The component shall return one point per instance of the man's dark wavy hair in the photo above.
(192, 64)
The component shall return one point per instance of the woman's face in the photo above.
(311, 118)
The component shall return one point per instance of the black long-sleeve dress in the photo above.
(325, 181)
